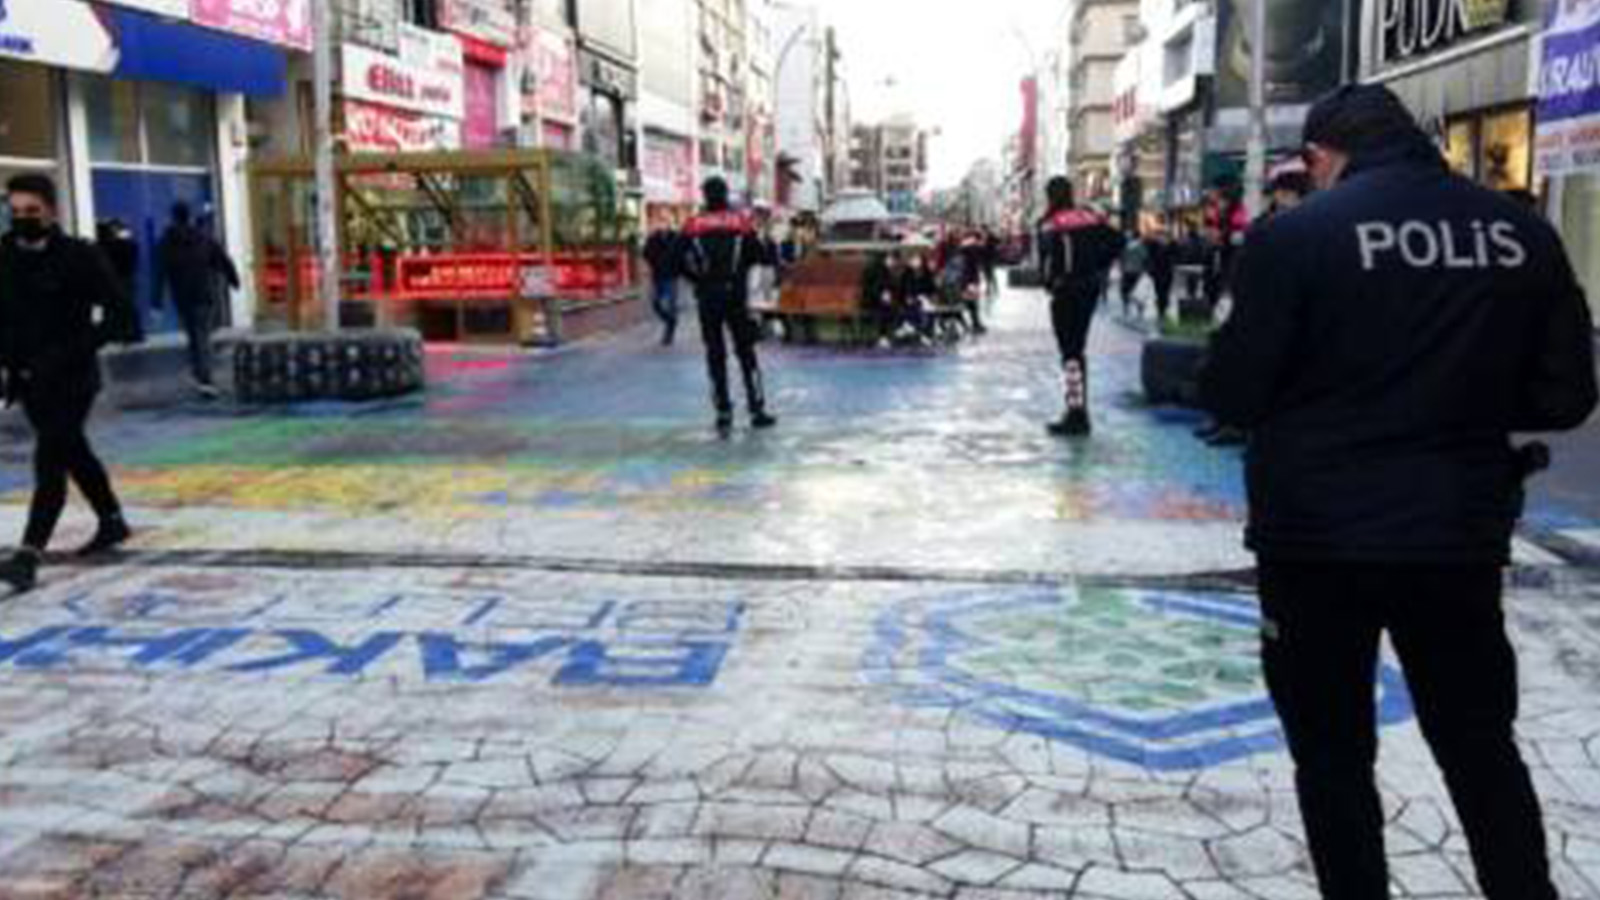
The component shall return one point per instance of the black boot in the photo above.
(113, 531)
(724, 420)
(1075, 384)
(1074, 424)
(21, 571)
(762, 419)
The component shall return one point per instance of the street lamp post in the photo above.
(1256, 153)
(327, 227)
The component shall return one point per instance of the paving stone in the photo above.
(976, 867)
(808, 859)
(1106, 883)
(979, 829)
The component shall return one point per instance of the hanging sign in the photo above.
(283, 22)
(1411, 28)
(1569, 89)
(63, 33)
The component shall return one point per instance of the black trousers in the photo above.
(199, 320)
(1130, 286)
(725, 312)
(1323, 623)
(61, 450)
(1163, 285)
(1071, 315)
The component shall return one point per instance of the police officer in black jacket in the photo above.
(1388, 336)
(1076, 250)
(720, 247)
(51, 286)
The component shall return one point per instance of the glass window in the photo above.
(113, 121)
(1580, 226)
(1507, 150)
(1460, 143)
(28, 115)
(178, 125)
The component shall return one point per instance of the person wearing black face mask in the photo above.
(51, 287)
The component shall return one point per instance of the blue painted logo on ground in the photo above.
(574, 643)
(1169, 680)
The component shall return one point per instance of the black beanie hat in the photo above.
(1358, 117)
(715, 192)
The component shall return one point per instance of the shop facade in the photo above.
(1467, 79)
(549, 88)
(1568, 135)
(491, 79)
(135, 106)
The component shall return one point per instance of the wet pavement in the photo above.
(542, 634)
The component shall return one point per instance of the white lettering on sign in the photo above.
(1409, 28)
(395, 82)
(1454, 245)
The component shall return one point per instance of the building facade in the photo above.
(1099, 33)
(134, 106)
(668, 107)
(891, 160)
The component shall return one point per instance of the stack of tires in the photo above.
(1170, 371)
(357, 365)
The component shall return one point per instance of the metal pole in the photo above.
(327, 229)
(1256, 153)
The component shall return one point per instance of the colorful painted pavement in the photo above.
(542, 636)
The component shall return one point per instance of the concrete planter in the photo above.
(1169, 369)
(354, 365)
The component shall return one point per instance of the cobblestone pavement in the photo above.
(543, 635)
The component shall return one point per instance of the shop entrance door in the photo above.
(143, 200)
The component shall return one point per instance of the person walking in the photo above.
(51, 288)
(1226, 220)
(973, 251)
(661, 253)
(190, 265)
(991, 262)
(1076, 251)
(1162, 257)
(1387, 338)
(115, 240)
(1134, 265)
(718, 249)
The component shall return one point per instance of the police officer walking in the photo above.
(720, 247)
(1076, 251)
(1388, 336)
(51, 286)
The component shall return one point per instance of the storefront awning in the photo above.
(155, 50)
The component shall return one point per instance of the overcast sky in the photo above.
(955, 64)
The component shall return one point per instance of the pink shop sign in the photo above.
(552, 63)
(283, 22)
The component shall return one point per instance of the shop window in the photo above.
(1506, 150)
(1580, 226)
(149, 124)
(113, 121)
(28, 115)
(422, 12)
(1460, 146)
(178, 125)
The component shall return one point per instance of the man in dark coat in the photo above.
(192, 266)
(719, 247)
(1387, 337)
(661, 253)
(1076, 251)
(51, 287)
